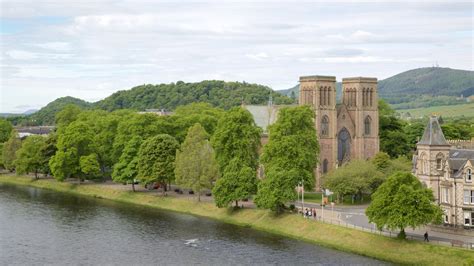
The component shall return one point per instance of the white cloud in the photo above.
(95, 48)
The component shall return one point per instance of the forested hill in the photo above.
(169, 96)
(432, 81)
(45, 116)
(165, 96)
(421, 87)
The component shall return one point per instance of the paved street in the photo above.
(355, 215)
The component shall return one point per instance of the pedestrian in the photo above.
(314, 214)
(426, 237)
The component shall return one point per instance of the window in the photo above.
(325, 166)
(446, 217)
(325, 126)
(367, 123)
(439, 161)
(467, 218)
(445, 195)
(467, 196)
(469, 175)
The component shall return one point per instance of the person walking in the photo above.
(426, 237)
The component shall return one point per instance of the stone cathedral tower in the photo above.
(346, 131)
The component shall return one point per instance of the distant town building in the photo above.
(349, 130)
(448, 170)
(159, 112)
(24, 132)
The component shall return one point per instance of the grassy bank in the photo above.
(380, 247)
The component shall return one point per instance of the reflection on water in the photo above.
(45, 227)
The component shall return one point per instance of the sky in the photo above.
(92, 48)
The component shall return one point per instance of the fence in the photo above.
(388, 233)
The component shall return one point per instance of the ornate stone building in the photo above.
(448, 171)
(349, 130)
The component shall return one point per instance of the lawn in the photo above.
(290, 225)
(459, 110)
(315, 197)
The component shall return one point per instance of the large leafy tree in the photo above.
(156, 160)
(401, 202)
(75, 141)
(143, 125)
(289, 157)
(237, 136)
(196, 166)
(126, 170)
(29, 157)
(9, 151)
(89, 166)
(293, 143)
(203, 113)
(358, 177)
(238, 182)
(5, 130)
(276, 189)
(393, 140)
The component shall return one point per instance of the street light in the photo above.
(301, 184)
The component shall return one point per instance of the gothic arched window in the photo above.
(325, 166)
(325, 126)
(367, 124)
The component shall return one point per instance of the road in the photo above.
(355, 215)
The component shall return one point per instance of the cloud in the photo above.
(91, 49)
(258, 56)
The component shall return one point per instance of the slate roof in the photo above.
(458, 158)
(433, 134)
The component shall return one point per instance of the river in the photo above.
(45, 227)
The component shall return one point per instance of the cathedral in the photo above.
(346, 130)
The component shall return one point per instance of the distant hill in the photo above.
(431, 81)
(169, 96)
(45, 116)
(420, 87)
(165, 96)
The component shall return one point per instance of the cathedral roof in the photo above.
(433, 134)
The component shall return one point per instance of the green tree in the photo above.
(237, 136)
(276, 189)
(9, 151)
(67, 115)
(400, 202)
(75, 141)
(5, 130)
(290, 156)
(238, 182)
(293, 143)
(126, 170)
(381, 161)
(393, 139)
(89, 166)
(29, 157)
(358, 177)
(156, 160)
(196, 166)
(48, 150)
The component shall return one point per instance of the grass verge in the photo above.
(294, 226)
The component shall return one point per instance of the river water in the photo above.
(45, 227)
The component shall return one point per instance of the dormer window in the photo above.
(469, 175)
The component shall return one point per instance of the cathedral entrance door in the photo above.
(343, 146)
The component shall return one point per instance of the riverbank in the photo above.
(344, 239)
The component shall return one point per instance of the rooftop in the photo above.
(433, 134)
